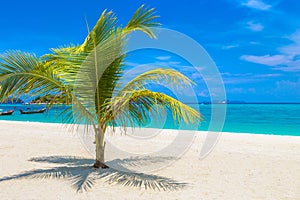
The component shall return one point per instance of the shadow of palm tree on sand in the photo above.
(82, 176)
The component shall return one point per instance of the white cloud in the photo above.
(255, 26)
(203, 93)
(246, 78)
(256, 4)
(240, 90)
(235, 75)
(254, 43)
(236, 90)
(267, 59)
(292, 66)
(163, 57)
(166, 64)
(288, 58)
(292, 49)
(295, 37)
(287, 88)
(266, 75)
(226, 47)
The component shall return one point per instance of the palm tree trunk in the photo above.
(100, 149)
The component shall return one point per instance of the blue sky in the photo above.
(254, 43)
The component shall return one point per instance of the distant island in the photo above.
(48, 99)
(38, 100)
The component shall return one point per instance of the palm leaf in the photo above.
(134, 109)
(159, 75)
(22, 73)
(143, 20)
(104, 28)
(98, 74)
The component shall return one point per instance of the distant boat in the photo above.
(32, 111)
(9, 112)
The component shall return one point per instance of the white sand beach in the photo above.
(242, 166)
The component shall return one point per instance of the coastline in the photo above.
(256, 119)
(242, 166)
(200, 131)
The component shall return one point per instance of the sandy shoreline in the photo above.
(242, 166)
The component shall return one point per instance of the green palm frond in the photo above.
(22, 73)
(104, 28)
(159, 75)
(13, 61)
(134, 109)
(78, 115)
(143, 20)
(65, 62)
(98, 74)
(64, 56)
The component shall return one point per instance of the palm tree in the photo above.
(88, 76)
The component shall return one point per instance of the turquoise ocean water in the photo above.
(276, 119)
